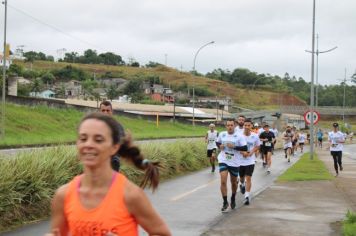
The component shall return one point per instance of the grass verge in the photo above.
(306, 169)
(28, 180)
(349, 224)
(41, 125)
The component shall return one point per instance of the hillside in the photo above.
(243, 97)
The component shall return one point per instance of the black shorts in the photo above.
(210, 152)
(234, 171)
(246, 170)
(294, 143)
(336, 154)
(265, 150)
(320, 139)
(301, 144)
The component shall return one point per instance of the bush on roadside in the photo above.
(349, 224)
(28, 180)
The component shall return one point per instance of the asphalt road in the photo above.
(191, 204)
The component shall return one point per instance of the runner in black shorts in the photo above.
(267, 138)
(210, 139)
(247, 160)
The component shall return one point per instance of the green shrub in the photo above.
(28, 180)
(349, 224)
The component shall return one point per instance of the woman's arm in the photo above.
(140, 207)
(58, 221)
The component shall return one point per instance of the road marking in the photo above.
(183, 195)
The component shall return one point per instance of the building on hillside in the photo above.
(118, 83)
(8, 62)
(159, 93)
(72, 89)
(212, 102)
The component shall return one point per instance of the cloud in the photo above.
(263, 36)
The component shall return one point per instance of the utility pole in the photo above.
(4, 77)
(317, 67)
(312, 89)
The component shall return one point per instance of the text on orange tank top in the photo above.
(111, 215)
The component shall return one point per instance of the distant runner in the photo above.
(239, 123)
(336, 140)
(319, 136)
(106, 108)
(247, 160)
(301, 141)
(287, 137)
(294, 140)
(231, 144)
(275, 132)
(210, 138)
(267, 138)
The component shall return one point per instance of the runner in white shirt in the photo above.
(275, 132)
(247, 161)
(301, 141)
(239, 124)
(336, 139)
(210, 138)
(287, 136)
(232, 145)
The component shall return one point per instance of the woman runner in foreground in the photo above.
(102, 201)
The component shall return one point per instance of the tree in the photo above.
(37, 86)
(48, 78)
(15, 70)
(353, 78)
(132, 86)
(153, 64)
(112, 92)
(110, 58)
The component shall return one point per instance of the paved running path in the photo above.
(297, 208)
(190, 204)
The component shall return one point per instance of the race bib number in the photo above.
(229, 156)
(211, 140)
(268, 144)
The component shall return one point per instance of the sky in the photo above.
(267, 37)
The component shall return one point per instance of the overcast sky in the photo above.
(263, 36)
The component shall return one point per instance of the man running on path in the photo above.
(319, 136)
(267, 138)
(240, 124)
(106, 107)
(210, 138)
(301, 141)
(247, 160)
(231, 144)
(336, 139)
(287, 137)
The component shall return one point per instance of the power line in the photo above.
(54, 27)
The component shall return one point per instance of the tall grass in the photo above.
(349, 224)
(28, 180)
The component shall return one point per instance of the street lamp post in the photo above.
(4, 77)
(195, 57)
(312, 89)
(317, 67)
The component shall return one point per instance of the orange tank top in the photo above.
(111, 215)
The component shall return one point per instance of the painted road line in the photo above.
(183, 195)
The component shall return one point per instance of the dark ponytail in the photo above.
(129, 151)
(132, 153)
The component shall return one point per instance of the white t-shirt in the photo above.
(334, 138)
(252, 141)
(230, 156)
(212, 137)
(289, 137)
(301, 138)
(238, 130)
(275, 132)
